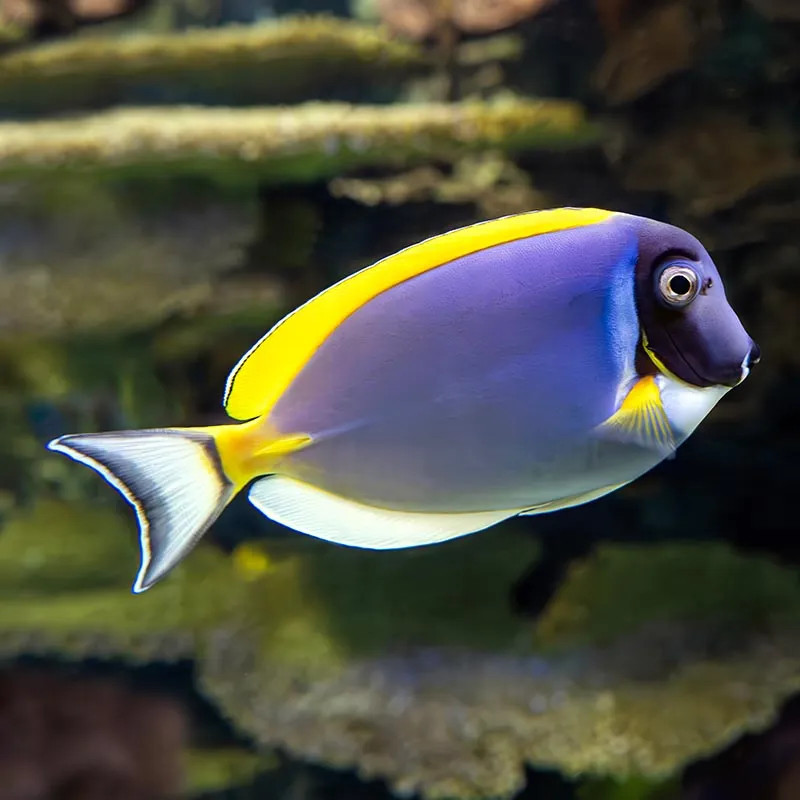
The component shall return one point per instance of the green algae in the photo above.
(312, 603)
(213, 770)
(619, 589)
(634, 788)
(279, 61)
(485, 715)
(490, 181)
(75, 571)
(305, 143)
(451, 595)
(57, 547)
(376, 660)
(85, 254)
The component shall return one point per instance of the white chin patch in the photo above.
(687, 406)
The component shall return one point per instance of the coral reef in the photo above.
(492, 182)
(330, 654)
(627, 789)
(144, 248)
(291, 59)
(642, 691)
(463, 724)
(84, 255)
(216, 769)
(304, 143)
(615, 591)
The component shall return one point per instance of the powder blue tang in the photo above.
(517, 366)
(479, 384)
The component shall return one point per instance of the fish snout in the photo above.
(754, 356)
(751, 359)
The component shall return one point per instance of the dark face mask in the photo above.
(689, 328)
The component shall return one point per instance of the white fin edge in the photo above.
(569, 502)
(318, 513)
(171, 477)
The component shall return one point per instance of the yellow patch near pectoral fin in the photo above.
(266, 370)
(641, 419)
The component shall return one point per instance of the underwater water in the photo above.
(175, 177)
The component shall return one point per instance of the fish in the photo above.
(512, 367)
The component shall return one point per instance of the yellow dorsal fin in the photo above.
(267, 369)
(641, 418)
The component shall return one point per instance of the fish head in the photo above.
(689, 329)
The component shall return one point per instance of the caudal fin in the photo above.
(172, 477)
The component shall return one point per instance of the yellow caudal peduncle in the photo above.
(251, 449)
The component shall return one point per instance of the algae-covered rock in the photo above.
(489, 180)
(622, 589)
(462, 721)
(411, 666)
(80, 255)
(215, 769)
(281, 61)
(60, 547)
(307, 603)
(628, 789)
(277, 145)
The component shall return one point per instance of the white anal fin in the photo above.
(318, 513)
(568, 502)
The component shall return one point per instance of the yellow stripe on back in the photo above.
(266, 370)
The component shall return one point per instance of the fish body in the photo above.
(489, 385)
(516, 366)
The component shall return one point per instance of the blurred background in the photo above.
(175, 176)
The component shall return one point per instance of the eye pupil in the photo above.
(680, 285)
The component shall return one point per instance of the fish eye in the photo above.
(678, 285)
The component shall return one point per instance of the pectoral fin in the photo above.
(641, 419)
